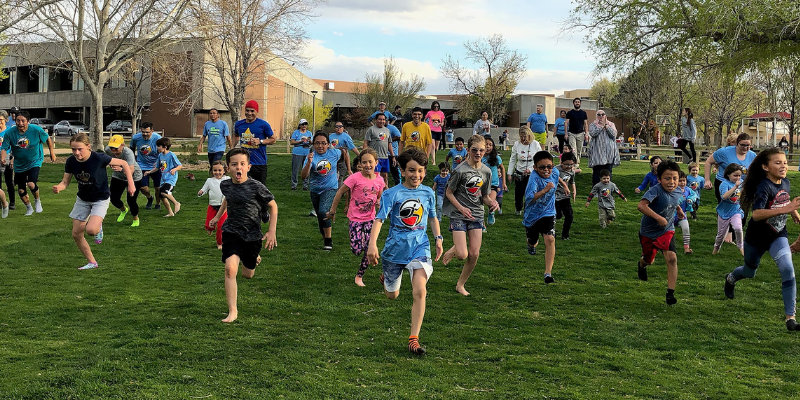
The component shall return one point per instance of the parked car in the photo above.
(69, 127)
(120, 125)
(44, 123)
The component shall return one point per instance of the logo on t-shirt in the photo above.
(735, 197)
(163, 166)
(245, 140)
(411, 212)
(213, 131)
(335, 142)
(457, 159)
(474, 184)
(323, 167)
(414, 136)
(605, 192)
(694, 185)
(83, 177)
(23, 143)
(145, 149)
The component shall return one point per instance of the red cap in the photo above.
(252, 104)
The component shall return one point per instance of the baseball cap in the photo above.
(383, 102)
(116, 141)
(303, 121)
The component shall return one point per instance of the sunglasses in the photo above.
(745, 145)
(340, 126)
(477, 150)
(544, 167)
(320, 143)
(600, 115)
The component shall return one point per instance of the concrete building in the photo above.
(34, 84)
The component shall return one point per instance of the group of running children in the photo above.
(238, 205)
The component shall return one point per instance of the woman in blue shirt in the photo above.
(320, 168)
(560, 131)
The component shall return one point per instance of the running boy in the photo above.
(408, 207)
(457, 153)
(565, 196)
(250, 204)
(696, 183)
(540, 210)
(167, 165)
(439, 186)
(605, 190)
(659, 206)
(651, 179)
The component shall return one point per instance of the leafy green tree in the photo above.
(307, 112)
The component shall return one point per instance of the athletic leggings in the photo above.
(684, 224)
(119, 186)
(9, 176)
(780, 252)
(691, 155)
(322, 204)
(359, 240)
(519, 191)
(722, 229)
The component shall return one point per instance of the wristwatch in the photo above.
(439, 237)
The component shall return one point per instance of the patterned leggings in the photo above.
(359, 240)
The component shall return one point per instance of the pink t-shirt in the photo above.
(363, 196)
(435, 119)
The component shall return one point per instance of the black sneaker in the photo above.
(549, 279)
(149, 205)
(642, 271)
(157, 207)
(532, 250)
(729, 287)
(792, 325)
(12, 206)
(565, 238)
(671, 299)
(328, 244)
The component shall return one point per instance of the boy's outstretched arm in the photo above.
(222, 208)
(372, 250)
(63, 184)
(270, 238)
(644, 208)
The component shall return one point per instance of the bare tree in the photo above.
(492, 78)
(391, 87)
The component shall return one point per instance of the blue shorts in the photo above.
(463, 225)
(215, 156)
(156, 179)
(383, 165)
(393, 273)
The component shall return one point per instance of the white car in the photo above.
(69, 127)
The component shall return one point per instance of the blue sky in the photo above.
(351, 38)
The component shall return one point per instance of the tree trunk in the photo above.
(96, 120)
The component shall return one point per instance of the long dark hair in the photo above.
(689, 115)
(491, 157)
(755, 175)
(437, 104)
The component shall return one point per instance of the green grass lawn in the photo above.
(146, 324)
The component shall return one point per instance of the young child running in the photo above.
(89, 169)
(766, 193)
(409, 209)
(116, 149)
(250, 205)
(168, 164)
(651, 179)
(215, 198)
(696, 183)
(458, 153)
(495, 164)
(540, 209)
(467, 191)
(440, 185)
(605, 191)
(689, 198)
(660, 205)
(321, 165)
(565, 196)
(729, 212)
(364, 189)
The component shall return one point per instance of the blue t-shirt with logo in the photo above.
(342, 141)
(538, 122)
(258, 129)
(696, 183)
(457, 156)
(727, 155)
(395, 133)
(560, 126)
(27, 148)
(545, 206)
(91, 176)
(216, 133)
(167, 162)
(301, 149)
(727, 208)
(495, 176)
(408, 211)
(145, 149)
(323, 174)
(441, 183)
(664, 204)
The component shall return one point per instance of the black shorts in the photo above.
(259, 173)
(21, 179)
(233, 244)
(436, 135)
(156, 176)
(543, 226)
(165, 189)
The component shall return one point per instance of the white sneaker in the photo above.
(29, 210)
(38, 204)
(88, 266)
(5, 212)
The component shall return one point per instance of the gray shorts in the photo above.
(393, 273)
(82, 210)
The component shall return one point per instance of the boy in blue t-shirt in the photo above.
(144, 146)
(659, 206)
(540, 209)
(458, 154)
(408, 207)
(439, 186)
(696, 183)
(168, 165)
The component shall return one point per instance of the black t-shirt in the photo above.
(769, 196)
(247, 208)
(91, 176)
(576, 118)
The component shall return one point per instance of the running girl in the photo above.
(215, 198)
(729, 213)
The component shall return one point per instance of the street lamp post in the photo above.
(337, 111)
(314, 112)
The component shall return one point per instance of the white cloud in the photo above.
(338, 33)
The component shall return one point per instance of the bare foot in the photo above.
(231, 317)
(448, 255)
(169, 215)
(219, 247)
(360, 282)
(462, 291)
(177, 207)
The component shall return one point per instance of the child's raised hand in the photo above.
(739, 182)
(200, 193)
(550, 185)
(637, 190)
(270, 242)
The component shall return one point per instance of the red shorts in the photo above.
(651, 246)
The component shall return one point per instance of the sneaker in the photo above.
(98, 238)
(38, 205)
(729, 287)
(483, 229)
(532, 250)
(29, 210)
(149, 205)
(12, 206)
(328, 244)
(642, 271)
(671, 300)
(157, 207)
(88, 266)
(5, 212)
(312, 213)
(499, 211)
(305, 188)
(414, 347)
(565, 238)
(548, 279)
(792, 325)
(135, 223)
(122, 214)
(294, 187)
(490, 219)
(519, 212)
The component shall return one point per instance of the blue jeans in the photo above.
(297, 165)
(322, 204)
(439, 202)
(780, 252)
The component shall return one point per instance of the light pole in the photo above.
(314, 112)
(337, 111)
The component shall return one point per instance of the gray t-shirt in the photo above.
(469, 185)
(378, 139)
(130, 158)
(605, 194)
(569, 178)
(664, 204)
(247, 208)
